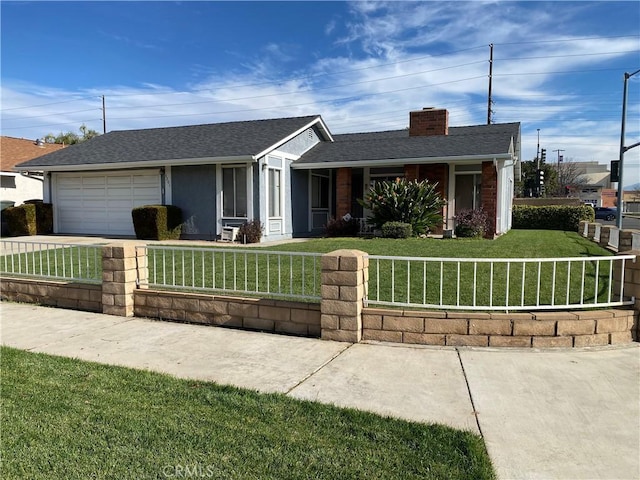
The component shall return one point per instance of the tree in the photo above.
(563, 176)
(412, 202)
(71, 138)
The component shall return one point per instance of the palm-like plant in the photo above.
(413, 202)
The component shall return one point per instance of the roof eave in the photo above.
(402, 161)
(139, 164)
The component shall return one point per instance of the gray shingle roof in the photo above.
(157, 144)
(487, 140)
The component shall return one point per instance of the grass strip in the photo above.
(65, 418)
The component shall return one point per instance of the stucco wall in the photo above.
(19, 188)
(193, 189)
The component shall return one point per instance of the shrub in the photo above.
(339, 227)
(472, 223)
(157, 222)
(397, 230)
(250, 232)
(551, 217)
(44, 216)
(412, 202)
(21, 220)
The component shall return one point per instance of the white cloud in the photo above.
(400, 71)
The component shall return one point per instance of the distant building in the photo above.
(17, 187)
(593, 184)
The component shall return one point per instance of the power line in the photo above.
(47, 104)
(568, 40)
(305, 77)
(54, 114)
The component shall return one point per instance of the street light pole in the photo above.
(623, 149)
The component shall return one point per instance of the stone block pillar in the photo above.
(345, 276)
(605, 235)
(625, 241)
(582, 229)
(591, 230)
(120, 265)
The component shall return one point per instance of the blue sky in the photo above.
(558, 67)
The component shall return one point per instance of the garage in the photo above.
(100, 203)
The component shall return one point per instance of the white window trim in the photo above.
(280, 170)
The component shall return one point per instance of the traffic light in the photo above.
(543, 155)
(540, 178)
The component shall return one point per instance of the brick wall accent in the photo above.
(429, 121)
(296, 318)
(120, 264)
(344, 279)
(412, 172)
(343, 192)
(490, 195)
(72, 295)
(437, 173)
(545, 329)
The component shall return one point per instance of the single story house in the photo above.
(16, 187)
(292, 174)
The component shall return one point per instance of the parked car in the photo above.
(606, 213)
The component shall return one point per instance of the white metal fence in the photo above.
(498, 284)
(271, 273)
(58, 261)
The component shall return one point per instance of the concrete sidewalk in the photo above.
(543, 414)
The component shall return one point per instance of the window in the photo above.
(7, 181)
(234, 192)
(468, 192)
(275, 193)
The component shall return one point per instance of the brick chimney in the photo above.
(428, 121)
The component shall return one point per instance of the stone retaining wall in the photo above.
(545, 329)
(278, 316)
(77, 296)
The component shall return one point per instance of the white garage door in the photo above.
(101, 203)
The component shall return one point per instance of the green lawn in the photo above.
(67, 419)
(514, 244)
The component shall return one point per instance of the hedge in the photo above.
(32, 218)
(157, 222)
(551, 217)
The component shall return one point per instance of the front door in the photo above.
(320, 200)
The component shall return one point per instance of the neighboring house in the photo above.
(18, 187)
(290, 173)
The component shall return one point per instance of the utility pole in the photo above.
(560, 182)
(104, 117)
(538, 151)
(490, 101)
(623, 149)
